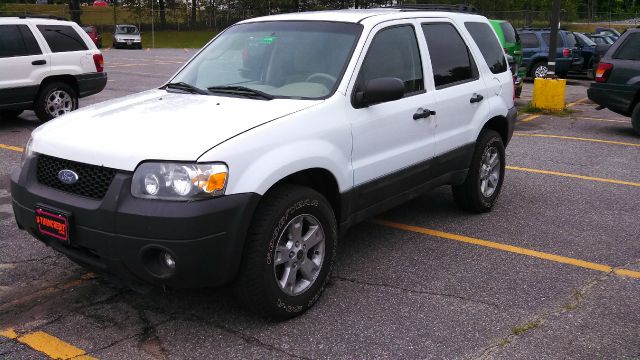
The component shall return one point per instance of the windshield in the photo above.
(284, 59)
(585, 40)
(126, 30)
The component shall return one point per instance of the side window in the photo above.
(394, 53)
(546, 37)
(62, 38)
(450, 58)
(629, 49)
(17, 40)
(529, 40)
(491, 50)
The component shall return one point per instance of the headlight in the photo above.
(179, 181)
(27, 152)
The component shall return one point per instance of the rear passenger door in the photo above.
(459, 89)
(22, 64)
(69, 51)
(531, 47)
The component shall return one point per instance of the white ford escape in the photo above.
(276, 137)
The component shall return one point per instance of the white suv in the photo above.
(46, 65)
(275, 138)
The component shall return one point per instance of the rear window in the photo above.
(491, 50)
(62, 38)
(571, 39)
(17, 40)
(629, 49)
(510, 34)
(529, 40)
(450, 58)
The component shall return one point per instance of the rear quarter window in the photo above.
(62, 38)
(489, 46)
(629, 49)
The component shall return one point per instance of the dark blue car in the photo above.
(535, 52)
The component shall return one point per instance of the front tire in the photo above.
(54, 100)
(484, 180)
(290, 251)
(635, 118)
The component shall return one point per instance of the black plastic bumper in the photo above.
(615, 97)
(89, 84)
(124, 236)
(512, 116)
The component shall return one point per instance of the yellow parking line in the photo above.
(510, 248)
(575, 176)
(576, 138)
(10, 147)
(529, 118)
(577, 102)
(47, 344)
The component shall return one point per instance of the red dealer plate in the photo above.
(52, 223)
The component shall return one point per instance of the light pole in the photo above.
(553, 38)
(153, 34)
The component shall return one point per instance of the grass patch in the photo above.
(504, 342)
(521, 329)
(530, 109)
(576, 297)
(170, 39)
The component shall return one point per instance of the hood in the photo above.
(155, 125)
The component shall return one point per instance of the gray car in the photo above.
(127, 36)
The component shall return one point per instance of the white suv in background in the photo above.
(275, 138)
(46, 65)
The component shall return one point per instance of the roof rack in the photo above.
(34, 16)
(461, 8)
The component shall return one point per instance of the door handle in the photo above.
(39, 62)
(476, 98)
(423, 114)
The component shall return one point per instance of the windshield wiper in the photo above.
(187, 87)
(241, 90)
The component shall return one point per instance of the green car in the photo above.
(510, 42)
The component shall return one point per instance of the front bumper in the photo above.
(121, 235)
(129, 44)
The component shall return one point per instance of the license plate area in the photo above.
(52, 223)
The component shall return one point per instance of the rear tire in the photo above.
(10, 114)
(55, 99)
(635, 118)
(539, 69)
(289, 253)
(484, 180)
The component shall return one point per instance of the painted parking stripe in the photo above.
(10, 147)
(47, 344)
(574, 176)
(577, 102)
(529, 118)
(511, 249)
(577, 139)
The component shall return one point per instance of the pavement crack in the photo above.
(413, 291)
(149, 340)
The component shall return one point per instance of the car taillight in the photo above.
(603, 71)
(99, 61)
(566, 52)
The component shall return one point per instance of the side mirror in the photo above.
(379, 90)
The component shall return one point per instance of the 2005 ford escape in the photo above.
(276, 137)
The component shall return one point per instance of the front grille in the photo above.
(93, 181)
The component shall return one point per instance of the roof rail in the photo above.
(34, 16)
(461, 8)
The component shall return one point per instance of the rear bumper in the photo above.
(563, 65)
(512, 116)
(615, 97)
(125, 236)
(92, 83)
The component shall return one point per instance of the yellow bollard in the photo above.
(549, 94)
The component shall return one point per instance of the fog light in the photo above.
(168, 260)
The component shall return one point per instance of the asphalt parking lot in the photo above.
(553, 272)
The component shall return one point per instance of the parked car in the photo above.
(47, 65)
(617, 85)
(510, 42)
(601, 39)
(225, 175)
(608, 31)
(588, 51)
(127, 36)
(94, 34)
(535, 50)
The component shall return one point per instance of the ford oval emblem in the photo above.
(68, 176)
